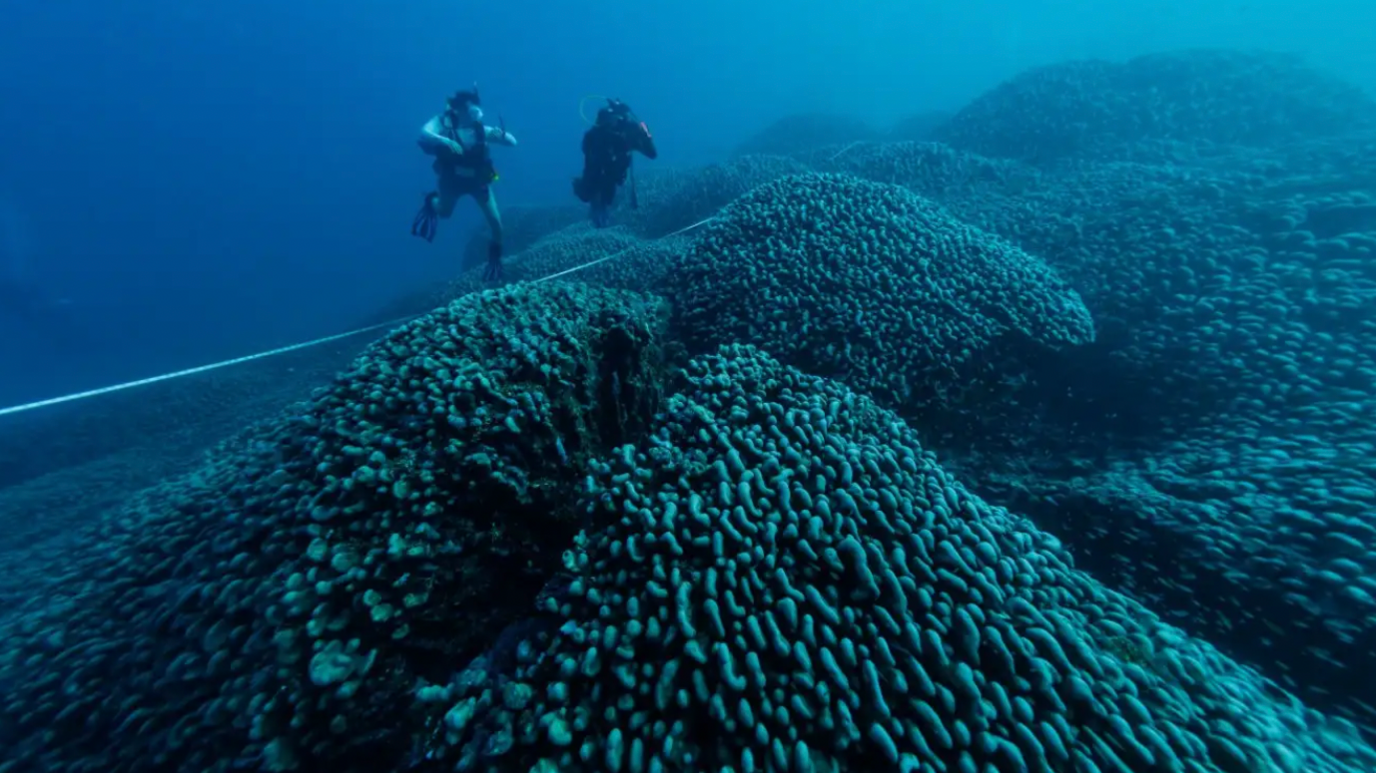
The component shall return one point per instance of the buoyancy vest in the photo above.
(476, 157)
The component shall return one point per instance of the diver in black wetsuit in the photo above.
(607, 148)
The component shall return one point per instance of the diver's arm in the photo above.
(500, 136)
(431, 141)
(647, 146)
(642, 141)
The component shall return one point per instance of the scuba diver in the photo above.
(460, 143)
(607, 150)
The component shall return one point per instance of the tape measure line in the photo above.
(294, 347)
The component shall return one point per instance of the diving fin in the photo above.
(427, 219)
(492, 272)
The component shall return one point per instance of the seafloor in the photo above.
(1037, 437)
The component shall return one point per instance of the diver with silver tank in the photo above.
(460, 143)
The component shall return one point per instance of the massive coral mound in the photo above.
(780, 578)
(1230, 377)
(1207, 283)
(1209, 453)
(1245, 302)
(1233, 301)
(276, 607)
(867, 282)
(1278, 569)
(1236, 367)
(1096, 108)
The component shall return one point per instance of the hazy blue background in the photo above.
(206, 179)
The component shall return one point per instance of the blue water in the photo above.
(184, 182)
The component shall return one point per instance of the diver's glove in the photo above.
(492, 272)
(427, 219)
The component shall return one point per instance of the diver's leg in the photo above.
(602, 203)
(447, 197)
(487, 202)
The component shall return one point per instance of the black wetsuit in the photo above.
(607, 149)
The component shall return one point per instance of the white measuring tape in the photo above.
(297, 347)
